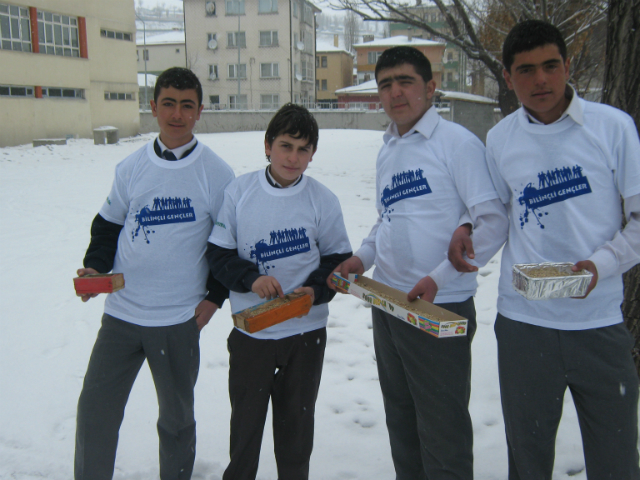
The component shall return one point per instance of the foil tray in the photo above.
(543, 281)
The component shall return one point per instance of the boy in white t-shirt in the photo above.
(560, 164)
(153, 228)
(278, 231)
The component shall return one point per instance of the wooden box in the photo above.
(278, 310)
(99, 283)
(421, 314)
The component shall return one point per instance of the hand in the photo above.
(460, 244)
(204, 312)
(591, 267)
(267, 287)
(351, 265)
(308, 291)
(81, 273)
(426, 289)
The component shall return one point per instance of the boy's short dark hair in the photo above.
(528, 35)
(294, 120)
(395, 56)
(179, 78)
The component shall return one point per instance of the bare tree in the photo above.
(472, 22)
(351, 30)
(622, 90)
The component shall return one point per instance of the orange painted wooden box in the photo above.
(99, 283)
(264, 315)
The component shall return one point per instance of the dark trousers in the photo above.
(537, 365)
(426, 385)
(288, 372)
(173, 355)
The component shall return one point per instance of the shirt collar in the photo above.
(272, 181)
(425, 126)
(178, 151)
(574, 110)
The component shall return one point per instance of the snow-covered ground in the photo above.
(48, 198)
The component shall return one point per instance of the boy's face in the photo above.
(404, 94)
(289, 157)
(539, 78)
(177, 112)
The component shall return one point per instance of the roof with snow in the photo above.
(326, 47)
(400, 40)
(467, 97)
(151, 80)
(168, 38)
(370, 87)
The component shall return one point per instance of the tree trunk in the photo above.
(622, 90)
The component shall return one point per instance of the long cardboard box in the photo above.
(266, 314)
(421, 314)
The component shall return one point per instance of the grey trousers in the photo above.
(173, 355)
(426, 385)
(537, 365)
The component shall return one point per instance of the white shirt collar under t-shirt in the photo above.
(574, 110)
(425, 126)
(277, 185)
(178, 151)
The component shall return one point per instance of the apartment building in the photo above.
(156, 53)
(334, 70)
(253, 54)
(368, 53)
(68, 66)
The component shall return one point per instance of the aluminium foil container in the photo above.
(543, 281)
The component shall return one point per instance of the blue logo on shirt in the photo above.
(282, 244)
(404, 185)
(553, 186)
(165, 210)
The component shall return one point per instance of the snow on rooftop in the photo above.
(398, 41)
(151, 80)
(366, 87)
(326, 47)
(170, 37)
(467, 97)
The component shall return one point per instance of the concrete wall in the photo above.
(477, 117)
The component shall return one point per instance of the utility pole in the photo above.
(144, 56)
(238, 68)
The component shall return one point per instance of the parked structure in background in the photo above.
(369, 51)
(334, 70)
(253, 54)
(163, 50)
(454, 62)
(58, 77)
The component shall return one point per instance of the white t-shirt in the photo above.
(562, 184)
(425, 181)
(167, 210)
(284, 231)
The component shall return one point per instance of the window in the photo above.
(323, 62)
(317, 84)
(373, 57)
(58, 34)
(235, 38)
(235, 7)
(54, 92)
(15, 29)
(324, 84)
(317, 62)
(269, 102)
(269, 70)
(117, 35)
(234, 70)
(116, 96)
(236, 103)
(145, 54)
(268, 6)
(15, 91)
(449, 77)
(308, 14)
(307, 39)
(269, 39)
(449, 57)
(295, 8)
(307, 71)
(212, 41)
(213, 72)
(177, 50)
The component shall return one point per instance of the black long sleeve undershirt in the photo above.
(102, 253)
(238, 274)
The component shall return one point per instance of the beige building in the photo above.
(162, 51)
(369, 52)
(334, 70)
(253, 54)
(68, 66)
